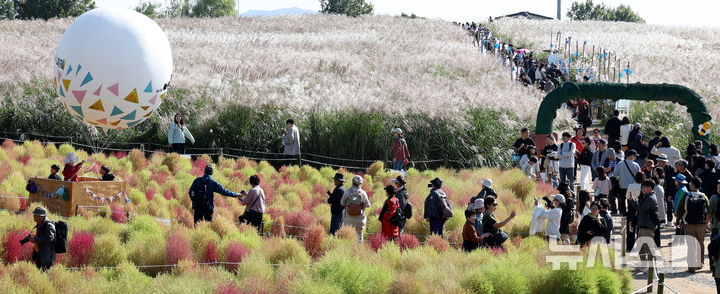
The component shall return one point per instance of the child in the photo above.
(470, 237)
(601, 184)
(71, 169)
(105, 174)
(54, 169)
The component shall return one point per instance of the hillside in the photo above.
(420, 75)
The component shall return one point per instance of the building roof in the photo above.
(526, 14)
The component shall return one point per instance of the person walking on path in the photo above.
(355, 202)
(647, 216)
(626, 172)
(654, 141)
(664, 147)
(291, 141)
(610, 165)
(71, 169)
(591, 225)
(403, 198)
(604, 206)
(566, 154)
(254, 203)
(599, 155)
(713, 217)
(336, 209)
(625, 129)
(202, 194)
(437, 208)
(612, 130)
(177, 134)
(693, 211)
(43, 253)
(585, 162)
(401, 155)
(601, 184)
(391, 205)
(669, 188)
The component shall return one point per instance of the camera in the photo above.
(25, 240)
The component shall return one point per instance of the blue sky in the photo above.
(686, 12)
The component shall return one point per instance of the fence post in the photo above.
(651, 274)
(142, 148)
(127, 215)
(661, 283)
(215, 262)
(623, 224)
(220, 151)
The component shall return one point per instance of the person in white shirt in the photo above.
(664, 147)
(566, 154)
(529, 169)
(625, 129)
(552, 228)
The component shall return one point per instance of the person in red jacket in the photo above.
(71, 169)
(389, 231)
(400, 150)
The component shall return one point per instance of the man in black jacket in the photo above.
(106, 175)
(44, 251)
(612, 130)
(336, 209)
(403, 198)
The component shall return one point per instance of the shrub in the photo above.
(313, 240)
(376, 168)
(12, 250)
(376, 241)
(147, 249)
(80, 248)
(570, 281)
(278, 250)
(297, 222)
(438, 243)
(352, 275)
(118, 214)
(149, 194)
(407, 241)
(347, 232)
(173, 162)
(200, 238)
(235, 253)
(108, 251)
(178, 248)
(137, 158)
(476, 283)
(211, 254)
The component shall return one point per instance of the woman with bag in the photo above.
(254, 204)
(391, 205)
(355, 202)
(177, 134)
(601, 184)
(492, 226)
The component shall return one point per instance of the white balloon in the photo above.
(113, 67)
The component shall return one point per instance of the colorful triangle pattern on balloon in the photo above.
(87, 79)
(61, 92)
(59, 75)
(148, 114)
(69, 70)
(77, 109)
(145, 107)
(153, 99)
(116, 111)
(130, 116)
(97, 92)
(102, 121)
(113, 89)
(115, 123)
(132, 123)
(132, 97)
(78, 69)
(66, 83)
(97, 106)
(79, 95)
(148, 89)
(162, 96)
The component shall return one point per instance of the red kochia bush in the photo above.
(376, 241)
(168, 194)
(80, 248)
(407, 241)
(117, 214)
(297, 222)
(313, 240)
(210, 252)
(178, 248)
(149, 194)
(13, 251)
(25, 160)
(23, 204)
(160, 177)
(235, 253)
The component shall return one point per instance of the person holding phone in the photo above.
(336, 209)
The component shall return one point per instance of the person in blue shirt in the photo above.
(202, 193)
(177, 134)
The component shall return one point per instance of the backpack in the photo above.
(445, 206)
(398, 218)
(61, 232)
(200, 194)
(355, 205)
(408, 211)
(695, 209)
(567, 211)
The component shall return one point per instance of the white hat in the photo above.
(559, 198)
(479, 203)
(71, 158)
(397, 130)
(487, 183)
(357, 180)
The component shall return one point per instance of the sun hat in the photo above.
(357, 180)
(397, 130)
(437, 182)
(662, 157)
(559, 198)
(487, 183)
(680, 178)
(479, 203)
(71, 158)
(339, 177)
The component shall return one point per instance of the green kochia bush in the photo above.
(352, 275)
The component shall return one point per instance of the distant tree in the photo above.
(213, 8)
(412, 15)
(590, 11)
(352, 8)
(178, 8)
(7, 9)
(150, 9)
(45, 9)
